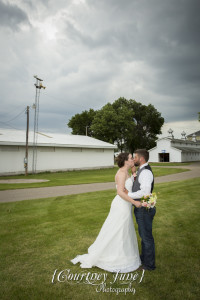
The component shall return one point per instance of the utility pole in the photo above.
(27, 131)
(38, 86)
(86, 130)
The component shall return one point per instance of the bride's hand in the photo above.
(144, 204)
(133, 169)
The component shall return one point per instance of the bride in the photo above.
(116, 248)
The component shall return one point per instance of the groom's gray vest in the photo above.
(136, 184)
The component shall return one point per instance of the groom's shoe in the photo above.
(143, 267)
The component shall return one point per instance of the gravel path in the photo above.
(7, 181)
(56, 191)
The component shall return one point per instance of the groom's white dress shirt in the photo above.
(145, 180)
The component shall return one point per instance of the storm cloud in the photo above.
(91, 52)
(12, 16)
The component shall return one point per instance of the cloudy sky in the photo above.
(91, 52)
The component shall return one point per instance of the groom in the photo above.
(143, 185)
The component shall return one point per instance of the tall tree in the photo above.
(125, 122)
(129, 124)
(113, 123)
(148, 123)
(80, 123)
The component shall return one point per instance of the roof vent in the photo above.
(170, 131)
(183, 134)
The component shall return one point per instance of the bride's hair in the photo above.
(121, 158)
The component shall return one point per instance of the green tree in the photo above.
(148, 123)
(79, 122)
(129, 124)
(103, 125)
(113, 123)
(125, 123)
(199, 116)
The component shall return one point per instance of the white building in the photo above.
(194, 136)
(175, 150)
(55, 152)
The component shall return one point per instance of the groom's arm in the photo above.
(145, 180)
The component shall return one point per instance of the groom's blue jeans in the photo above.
(144, 218)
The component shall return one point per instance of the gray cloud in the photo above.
(12, 16)
(91, 52)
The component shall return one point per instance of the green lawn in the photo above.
(37, 237)
(166, 164)
(76, 177)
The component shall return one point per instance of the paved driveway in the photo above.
(55, 191)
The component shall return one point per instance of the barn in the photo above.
(194, 136)
(175, 150)
(55, 152)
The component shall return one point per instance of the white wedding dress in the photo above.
(115, 248)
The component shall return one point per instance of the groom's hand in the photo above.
(125, 191)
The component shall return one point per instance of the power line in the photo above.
(15, 116)
(8, 125)
(12, 111)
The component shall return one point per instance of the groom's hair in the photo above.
(143, 152)
(121, 158)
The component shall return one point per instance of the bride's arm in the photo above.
(120, 180)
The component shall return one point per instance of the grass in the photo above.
(76, 177)
(166, 164)
(37, 237)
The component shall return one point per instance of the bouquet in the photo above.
(149, 200)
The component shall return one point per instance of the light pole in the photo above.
(27, 131)
(38, 86)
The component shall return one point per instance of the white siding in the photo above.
(11, 159)
(164, 145)
(190, 156)
(188, 151)
(153, 155)
(54, 159)
(55, 152)
(74, 158)
(175, 155)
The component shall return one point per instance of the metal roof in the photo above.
(187, 149)
(173, 140)
(197, 133)
(18, 138)
(185, 141)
